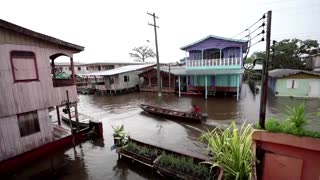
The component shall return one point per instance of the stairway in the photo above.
(211, 93)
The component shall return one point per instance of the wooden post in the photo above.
(169, 78)
(58, 115)
(264, 87)
(201, 64)
(206, 84)
(77, 116)
(157, 50)
(238, 86)
(186, 83)
(241, 56)
(179, 86)
(72, 71)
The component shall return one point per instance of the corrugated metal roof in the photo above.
(215, 37)
(176, 70)
(119, 70)
(287, 72)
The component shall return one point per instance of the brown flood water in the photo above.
(95, 160)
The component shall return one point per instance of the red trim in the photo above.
(35, 64)
(13, 164)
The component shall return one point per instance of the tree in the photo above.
(289, 53)
(141, 53)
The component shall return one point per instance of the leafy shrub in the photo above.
(185, 165)
(232, 150)
(294, 124)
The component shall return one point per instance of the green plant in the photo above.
(120, 137)
(118, 131)
(232, 150)
(141, 150)
(294, 124)
(297, 116)
(185, 165)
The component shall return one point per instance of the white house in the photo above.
(120, 79)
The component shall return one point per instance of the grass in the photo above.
(232, 150)
(141, 150)
(294, 124)
(185, 165)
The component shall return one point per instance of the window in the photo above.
(126, 78)
(232, 53)
(28, 123)
(79, 68)
(111, 80)
(24, 66)
(292, 84)
(87, 68)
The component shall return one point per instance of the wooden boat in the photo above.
(167, 171)
(190, 93)
(172, 114)
(83, 119)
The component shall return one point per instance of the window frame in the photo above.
(35, 64)
(126, 78)
(37, 126)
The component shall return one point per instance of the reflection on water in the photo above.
(94, 159)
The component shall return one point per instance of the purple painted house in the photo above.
(214, 65)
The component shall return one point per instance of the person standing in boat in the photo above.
(196, 109)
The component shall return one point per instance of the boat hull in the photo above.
(170, 114)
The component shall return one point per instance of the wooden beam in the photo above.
(206, 84)
(58, 115)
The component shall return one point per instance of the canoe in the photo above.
(83, 119)
(172, 114)
(190, 93)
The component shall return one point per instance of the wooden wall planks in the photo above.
(12, 144)
(20, 97)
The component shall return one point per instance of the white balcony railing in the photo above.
(214, 62)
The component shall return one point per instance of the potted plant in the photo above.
(119, 137)
(231, 149)
(286, 149)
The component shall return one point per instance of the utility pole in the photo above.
(157, 51)
(264, 87)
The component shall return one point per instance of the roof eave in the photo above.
(28, 32)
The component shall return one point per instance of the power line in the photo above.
(263, 17)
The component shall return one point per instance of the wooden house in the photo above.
(294, 83)
(29, 87)
(214, 64)
(120, 79)
(169, 78)
(313, 63)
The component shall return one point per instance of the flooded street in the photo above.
(95, 160)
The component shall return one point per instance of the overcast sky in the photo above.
(110, 29)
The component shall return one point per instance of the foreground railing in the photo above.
(214, 62)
